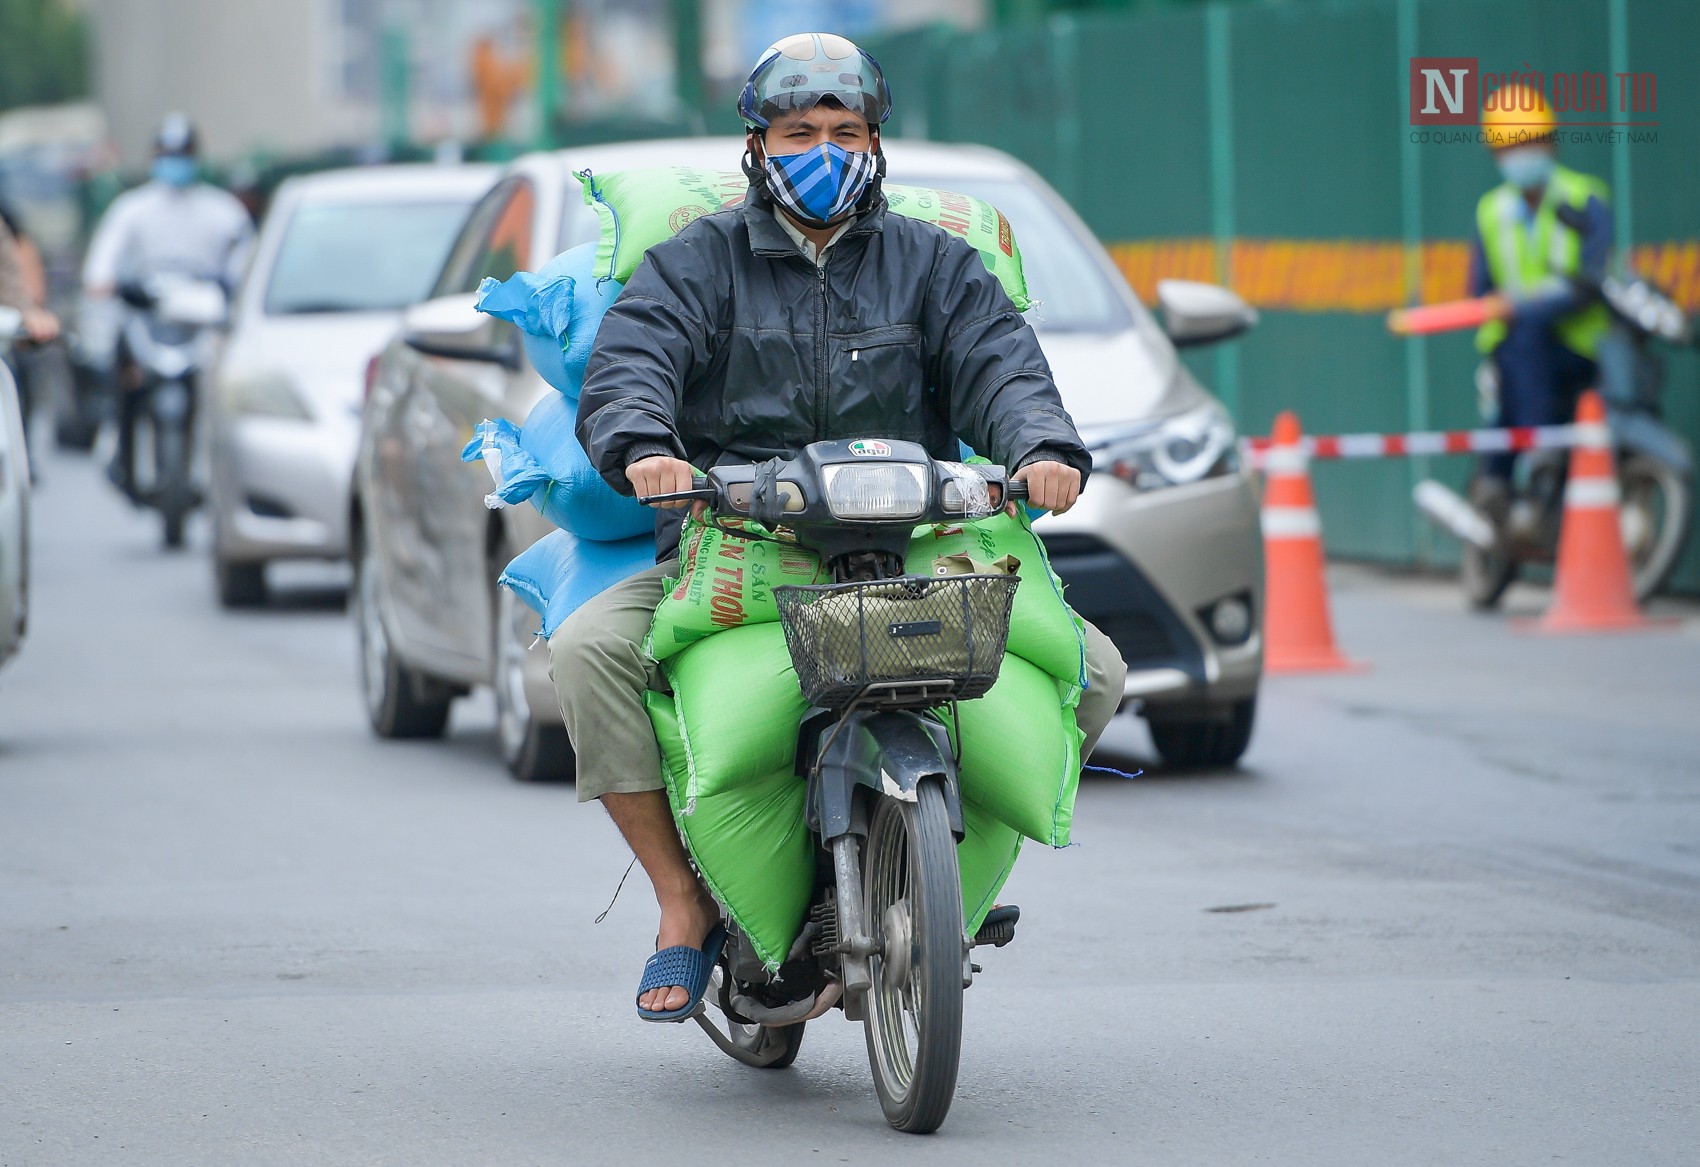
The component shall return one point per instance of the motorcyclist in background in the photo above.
(171, 225)
(1543, 240)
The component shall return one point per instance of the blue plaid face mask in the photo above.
(822, 183)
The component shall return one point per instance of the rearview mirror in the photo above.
(1197, 313)
(450, 326)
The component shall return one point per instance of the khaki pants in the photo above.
(601, 672)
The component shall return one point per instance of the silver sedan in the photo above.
(1163, 552)
(340, 255)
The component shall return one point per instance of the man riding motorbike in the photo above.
(807, 313)
(171, 225)
(1543, 239)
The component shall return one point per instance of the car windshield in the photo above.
(361, 257)
(1069, 289)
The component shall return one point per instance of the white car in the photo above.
(14, 503)
(339, 256)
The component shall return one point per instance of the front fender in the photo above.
(890, 753)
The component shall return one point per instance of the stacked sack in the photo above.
(604, 537)
(728, 730)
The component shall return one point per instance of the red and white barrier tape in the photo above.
(1489, 441)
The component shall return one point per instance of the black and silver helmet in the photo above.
(797, 72)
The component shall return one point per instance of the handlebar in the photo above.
(701, 491)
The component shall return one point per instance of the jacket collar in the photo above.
(768, 237)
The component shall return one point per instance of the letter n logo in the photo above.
(1444, 91)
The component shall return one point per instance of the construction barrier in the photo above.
(1422, 444)
(1592, 589)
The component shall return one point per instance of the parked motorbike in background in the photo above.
(166, 341)
(1501, 531)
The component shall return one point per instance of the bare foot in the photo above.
(686, 920)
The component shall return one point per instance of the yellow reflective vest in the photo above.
(1522, 256)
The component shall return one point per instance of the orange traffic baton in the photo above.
(1298, 635)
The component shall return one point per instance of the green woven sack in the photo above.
(1043, 629)
(728, 736)
(726, 581)
(1021, 752)
(640, 208)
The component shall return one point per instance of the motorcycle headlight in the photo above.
(263, 395)
(1188, 447)
(876, 490)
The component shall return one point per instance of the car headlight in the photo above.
(876, 491)
(263, 395)
(1187, 447)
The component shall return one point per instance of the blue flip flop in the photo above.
(684, 966)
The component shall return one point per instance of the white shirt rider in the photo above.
(161, 228)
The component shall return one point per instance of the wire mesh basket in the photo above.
(908, 641)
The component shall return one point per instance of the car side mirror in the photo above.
(1196, 313)
(450, 326)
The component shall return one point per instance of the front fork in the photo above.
(862, 755)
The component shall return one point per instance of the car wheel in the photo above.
(240, 585)
(1201, 739)
(400, 703)
(533, 751)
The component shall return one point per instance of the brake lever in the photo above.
(704, 494)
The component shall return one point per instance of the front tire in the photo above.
(400, 703)
(240, 585)
(1486, 574)
(1197, 742)
(913, 897)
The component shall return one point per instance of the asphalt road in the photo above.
(235, 928)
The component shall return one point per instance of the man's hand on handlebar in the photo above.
(663, 475)
(1051, 486)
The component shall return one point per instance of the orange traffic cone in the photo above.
(1592, 589)
(1298, 636)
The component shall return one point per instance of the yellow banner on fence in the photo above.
(1338, 275)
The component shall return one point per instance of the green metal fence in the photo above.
(1268, 145)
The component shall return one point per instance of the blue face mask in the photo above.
(1526, 167)
(820, 184)
(174, 169)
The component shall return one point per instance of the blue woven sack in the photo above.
(557, 310)
(544, 462)
(559, 572)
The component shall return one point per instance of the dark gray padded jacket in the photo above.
(728, 345)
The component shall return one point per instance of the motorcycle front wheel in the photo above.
(913, 902)
(171, 480)
(1487, 573)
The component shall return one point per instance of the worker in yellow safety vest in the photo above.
(1543, 239)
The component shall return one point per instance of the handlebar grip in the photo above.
(1014, 489)
(700, 490)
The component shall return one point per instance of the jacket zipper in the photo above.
(822, 369)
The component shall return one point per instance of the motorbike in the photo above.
(166, 339)
(1501, 531)
(883, 658)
